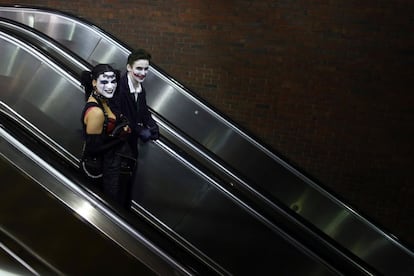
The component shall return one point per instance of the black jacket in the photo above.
(123, 104)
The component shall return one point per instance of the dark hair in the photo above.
(138, 54)
(88, 76)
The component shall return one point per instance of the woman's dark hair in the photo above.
(88, 76)
(138, 54)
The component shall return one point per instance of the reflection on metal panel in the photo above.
(83, 40)
(53, 105)
(45, 43)
(17, 258)
(11, 264)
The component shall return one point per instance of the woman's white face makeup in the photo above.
(106, 84)
(138, 71)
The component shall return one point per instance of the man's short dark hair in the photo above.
(138, 54)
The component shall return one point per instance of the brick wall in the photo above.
(325, 84)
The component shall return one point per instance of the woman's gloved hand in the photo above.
(122, 128)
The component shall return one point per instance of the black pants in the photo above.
(118, 167)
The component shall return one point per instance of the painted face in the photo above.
(138, 71)
(106, 84)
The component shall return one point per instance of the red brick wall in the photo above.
(326, 84)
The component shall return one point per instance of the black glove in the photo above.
(145, 135)
(155, 133)
(122, 129)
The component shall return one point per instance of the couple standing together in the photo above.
(114, 118)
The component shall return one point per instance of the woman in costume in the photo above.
(106, 156)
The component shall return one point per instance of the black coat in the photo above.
(123, 104)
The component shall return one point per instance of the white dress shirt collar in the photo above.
(131, 86)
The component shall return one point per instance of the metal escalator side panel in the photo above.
(38, 89)
(71, 33)
(45, 44)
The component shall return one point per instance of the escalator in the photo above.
(50, 98)
(273, 242)
(257, 235)
(206, 200)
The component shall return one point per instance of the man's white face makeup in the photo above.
(138, 71)
(106, 84)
